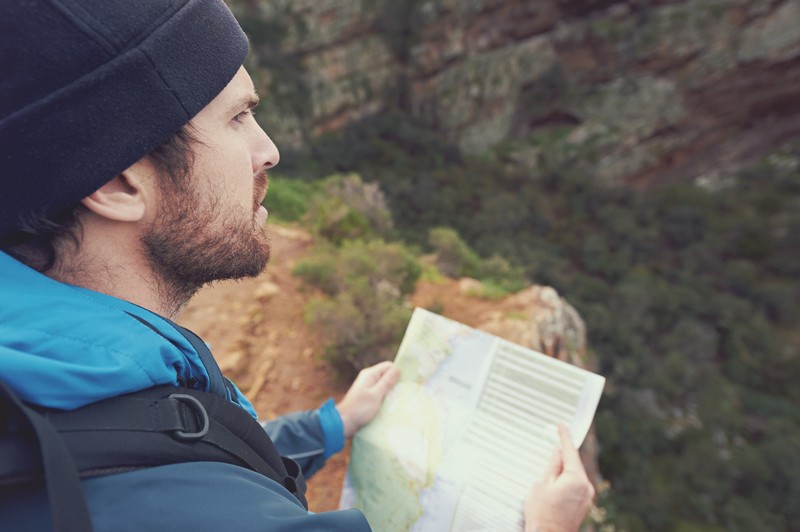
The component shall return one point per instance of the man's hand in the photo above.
(559, 500)
(365, 397)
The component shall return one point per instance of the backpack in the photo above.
(158, 426)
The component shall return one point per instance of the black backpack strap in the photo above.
(158, 426)
(67, 502)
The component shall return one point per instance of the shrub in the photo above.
(454, 257)
(288, 199)
(779, 301)
(333, 270)
(320, 271)
(365, 315)
(348, 209)
(362, 327)
(489, 290)
(499, 278)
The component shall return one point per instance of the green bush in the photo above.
(489, 290)
(364, 315)
(346, 208)
(288, 199)
(779, 301)
(333, 220)
(334, 270)
(500, 273)
(454, 257)
(320, 270)
(362, 328)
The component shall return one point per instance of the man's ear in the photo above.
(123, 199)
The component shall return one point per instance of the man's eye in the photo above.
(243, 115)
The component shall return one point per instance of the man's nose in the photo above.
(266, 155)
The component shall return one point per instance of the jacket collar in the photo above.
(62, 346)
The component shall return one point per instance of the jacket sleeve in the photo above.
(309, 438)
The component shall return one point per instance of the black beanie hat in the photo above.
(89, 87)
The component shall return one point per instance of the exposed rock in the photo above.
(469, 286)
(542, 320)
(346, 81)
(232, 361)
(774, 37)
(668, 90)
(290, 233)
(261, 376)
(473, 101)
(266, 290)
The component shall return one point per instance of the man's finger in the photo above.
(374, 373)
(388, 378)
(382, 367)
(568, 451)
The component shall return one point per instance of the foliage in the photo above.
(396, 24)
(690, 298)
(288, 199)
(348, 209)
(363, 315)
(455, 258)
(499, 275)
(321, 270)
(686, 310)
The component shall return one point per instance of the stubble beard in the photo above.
(196, 241)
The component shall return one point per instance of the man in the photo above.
(133, 174)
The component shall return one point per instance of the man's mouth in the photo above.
(260, 192)
(261, 215)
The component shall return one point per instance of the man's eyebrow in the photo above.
(248, 101)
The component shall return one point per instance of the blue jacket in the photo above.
(63, 347)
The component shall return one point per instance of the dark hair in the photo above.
(34, 243)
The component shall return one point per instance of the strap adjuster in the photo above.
(201, 413)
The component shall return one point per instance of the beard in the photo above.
(195, 240)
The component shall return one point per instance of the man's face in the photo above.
(211, 227)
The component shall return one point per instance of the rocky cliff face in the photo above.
(640, 91)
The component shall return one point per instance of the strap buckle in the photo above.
(201, 413)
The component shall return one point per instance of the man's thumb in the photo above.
(554, 467)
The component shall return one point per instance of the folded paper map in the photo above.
(470, 425)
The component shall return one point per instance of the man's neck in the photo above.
(122, 282)
(124, 274)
